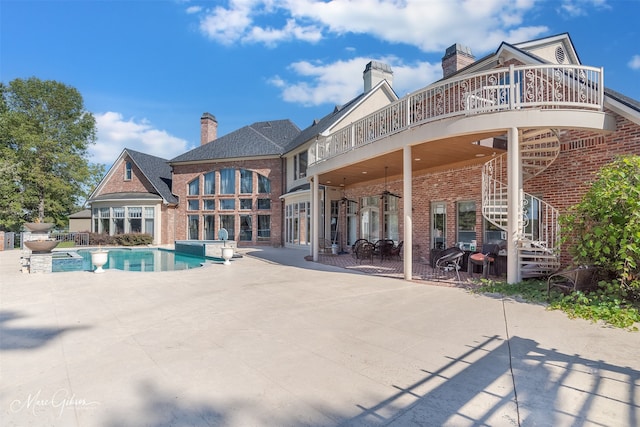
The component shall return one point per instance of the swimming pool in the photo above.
(139, 260)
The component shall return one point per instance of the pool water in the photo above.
(146, 260)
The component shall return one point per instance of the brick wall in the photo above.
(117, 183)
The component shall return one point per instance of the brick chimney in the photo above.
(208, 128)
(456, 58)
(374, 73)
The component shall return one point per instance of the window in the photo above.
(104, 221)
(227, 204)
(264, 227)
(210, 183)
(118, 220)
(245, 228)
(246, 181)
(300, 165)
(194, 187)
(246, 204)
(466, 223)
(438, 225)
(264, 204)
(228, 181)
(149, 214)
(209, 204)
(228, 223)
(390, 224)
(493, 233)
(297, 223)
(193, 226)
(264, 184)
(352, 222)
(135, 219)
(370, 219)
(193, 205)
(209, 227)
(127, 171)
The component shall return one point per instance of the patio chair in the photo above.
(383, 248)
(486, 258)
(396, 251)
(450, 260)
(365, 250)
(583, 278)
(356, 245)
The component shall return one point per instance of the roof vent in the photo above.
(560, 56)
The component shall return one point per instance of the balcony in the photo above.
(542, 87)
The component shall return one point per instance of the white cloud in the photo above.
(634, 63)
(430, 26)
(575, 8)
(115, 133)
(194, 9)
(319, 83)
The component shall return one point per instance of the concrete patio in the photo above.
(274, 340)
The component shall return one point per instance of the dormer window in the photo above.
(127, 171)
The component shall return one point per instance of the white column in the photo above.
(514, 205)
(315, 217)
(407, 181)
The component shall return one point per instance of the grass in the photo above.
(66, 245)
(607, 307)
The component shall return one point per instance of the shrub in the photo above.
(133, 239)
(604, 228)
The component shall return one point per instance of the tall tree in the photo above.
(45, 134)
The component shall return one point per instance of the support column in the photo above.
(407, 181)
(514, 205)
(315, 217)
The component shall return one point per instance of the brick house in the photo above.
(494, 151)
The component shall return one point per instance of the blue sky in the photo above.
(148, 69)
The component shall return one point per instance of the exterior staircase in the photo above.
(538, 230)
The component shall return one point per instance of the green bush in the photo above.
(128, 239)
(602, 305)
(604, 228)
(133, 239)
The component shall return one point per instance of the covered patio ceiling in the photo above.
(432, 156)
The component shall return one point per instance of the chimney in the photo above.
(374, 73)
(456, 58)
(208, 128)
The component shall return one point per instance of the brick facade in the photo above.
(271, 168)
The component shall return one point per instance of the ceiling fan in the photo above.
(344, 198)
(387, 192)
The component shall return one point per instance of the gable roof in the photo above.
(340, 111)
(259, 139)
(156, 169)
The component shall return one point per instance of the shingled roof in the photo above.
(157, 171)
(259, 139)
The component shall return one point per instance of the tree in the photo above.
(605, 226)
(45, 134)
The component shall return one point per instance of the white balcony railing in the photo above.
(521, 87)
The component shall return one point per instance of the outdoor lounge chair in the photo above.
(450, 260)
(583, 278)
(396, 251)
(356, 246)
(365, 250)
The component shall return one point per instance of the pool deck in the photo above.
(275, 340)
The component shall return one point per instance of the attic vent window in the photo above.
(560, 57)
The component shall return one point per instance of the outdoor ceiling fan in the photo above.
(344, 198)
(387, 192)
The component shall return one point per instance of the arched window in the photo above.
(227, 181)
(264, 184)
(194, 187)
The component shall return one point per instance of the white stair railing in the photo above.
(538, 228)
